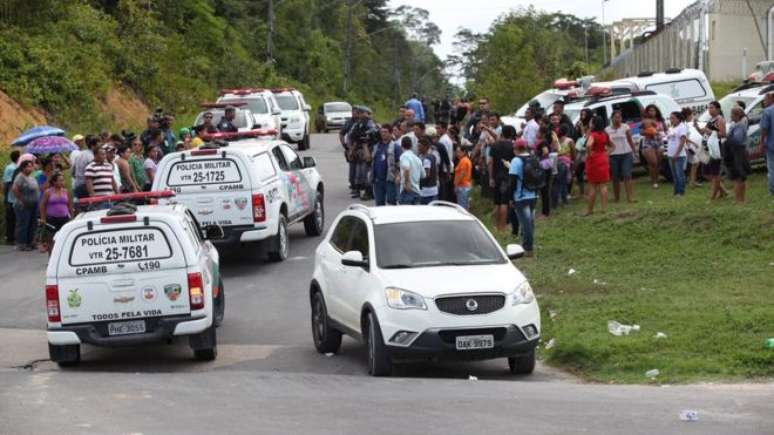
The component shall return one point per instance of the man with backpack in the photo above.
(386, 168)
(527, 178)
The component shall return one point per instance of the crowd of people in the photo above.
(37, 201)
(550, 161)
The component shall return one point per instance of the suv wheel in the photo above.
(220, 305)
(522, 364)
(326, 339)
(379, 363)
(205, 345)
(304, 143)
(315, 222)
(279, 249)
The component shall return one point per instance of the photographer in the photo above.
(362, 137)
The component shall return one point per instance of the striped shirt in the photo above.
(101, 177)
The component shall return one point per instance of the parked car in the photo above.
(332, 116)
(130, 275)
(296, 120)
(261, 102)
(753, 100)
(422, 282)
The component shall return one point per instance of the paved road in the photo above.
(269, 379)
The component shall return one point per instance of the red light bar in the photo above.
(769, 77)
(207, 152)
(281, 90)
(223, 104)
(126, 197)
(598, 91)
(120, 219)
(564, 84)
(209, 137)
(241, 91)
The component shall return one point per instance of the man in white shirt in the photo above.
(530, 129)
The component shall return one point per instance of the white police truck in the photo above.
(253, 188)
(129, 275)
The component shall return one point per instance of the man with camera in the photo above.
(361, 139)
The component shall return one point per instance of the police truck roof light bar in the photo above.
(564, 84)
(222, 104)
(210, 137)
(126, 197)
(241, 91)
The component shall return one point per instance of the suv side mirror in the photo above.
(354, 259)
(514, 252)
(213, 232)
(309, 162)
(276, 111)
(307, 107)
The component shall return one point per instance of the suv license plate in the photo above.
(470, 342)
(124, 328)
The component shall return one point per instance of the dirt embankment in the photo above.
(124, 107)
(15, 118)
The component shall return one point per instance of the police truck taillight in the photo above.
(259, 208)
(196, 291)
(52, 304)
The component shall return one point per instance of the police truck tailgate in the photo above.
(121, 274)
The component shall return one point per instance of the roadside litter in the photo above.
(598, 282)
(550, 344)
(689, 415)
(661, 335)
(652, 373)
(472, 378)
(770, 343)
(329, 354)
(618, 329)
(571, 272)
(552, 314)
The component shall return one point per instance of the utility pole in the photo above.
(348, 55)
(270, 37)
(604, 36)
(586, 41)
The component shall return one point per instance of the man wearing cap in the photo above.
(78, 140)
(226, 124)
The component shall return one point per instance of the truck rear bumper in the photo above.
(157, 329)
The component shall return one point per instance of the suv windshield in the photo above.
(287, 102)
(256, 104)
(434, 243)
(338, 107)
(240, 120)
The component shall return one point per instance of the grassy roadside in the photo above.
(702, 274)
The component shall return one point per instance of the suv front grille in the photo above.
(474, 304)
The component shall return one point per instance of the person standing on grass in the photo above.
(544, 148)
(501, 154)
(767, 139)
(622, 156)
(736, 154)
(9, 199)
(653, 131)
(565, 158)
(717, 125)
(597, 164)
(26, 196)
(411, 171)
(524, 200)
(694, 146)
(582, 129)
(677, 138)
(56, 209)
(463, 174)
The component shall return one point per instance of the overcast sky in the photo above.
(478, 15)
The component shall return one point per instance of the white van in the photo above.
(688, 87)
(254, 189)
(132, 275)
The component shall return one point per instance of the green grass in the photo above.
(701, 273)
(721, 89)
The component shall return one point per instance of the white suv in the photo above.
(419, 282)
(261, 102)
(296, 125)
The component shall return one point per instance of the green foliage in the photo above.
(176, 53)
(721, 89)
(699, 272)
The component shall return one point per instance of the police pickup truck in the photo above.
(133, 274)
(253, 188)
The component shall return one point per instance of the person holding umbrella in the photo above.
(26, 195)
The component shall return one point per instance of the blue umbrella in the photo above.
(36, 132)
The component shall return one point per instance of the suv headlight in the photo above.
(523, 294)
(401, 299)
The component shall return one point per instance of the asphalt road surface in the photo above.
(268, 378)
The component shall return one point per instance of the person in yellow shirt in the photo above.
(463, 172)
(197, 141)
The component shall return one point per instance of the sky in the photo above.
(478, 15)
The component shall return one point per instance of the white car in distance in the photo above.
(418, 283)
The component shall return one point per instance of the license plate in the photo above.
(124, 328)
(470, 342)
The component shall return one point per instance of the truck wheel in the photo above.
(326, 339)
(220, 305)
(315, 222)
(66, 356)
(523, 364)
(379, 363)
(205, 345)
(279, 249)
